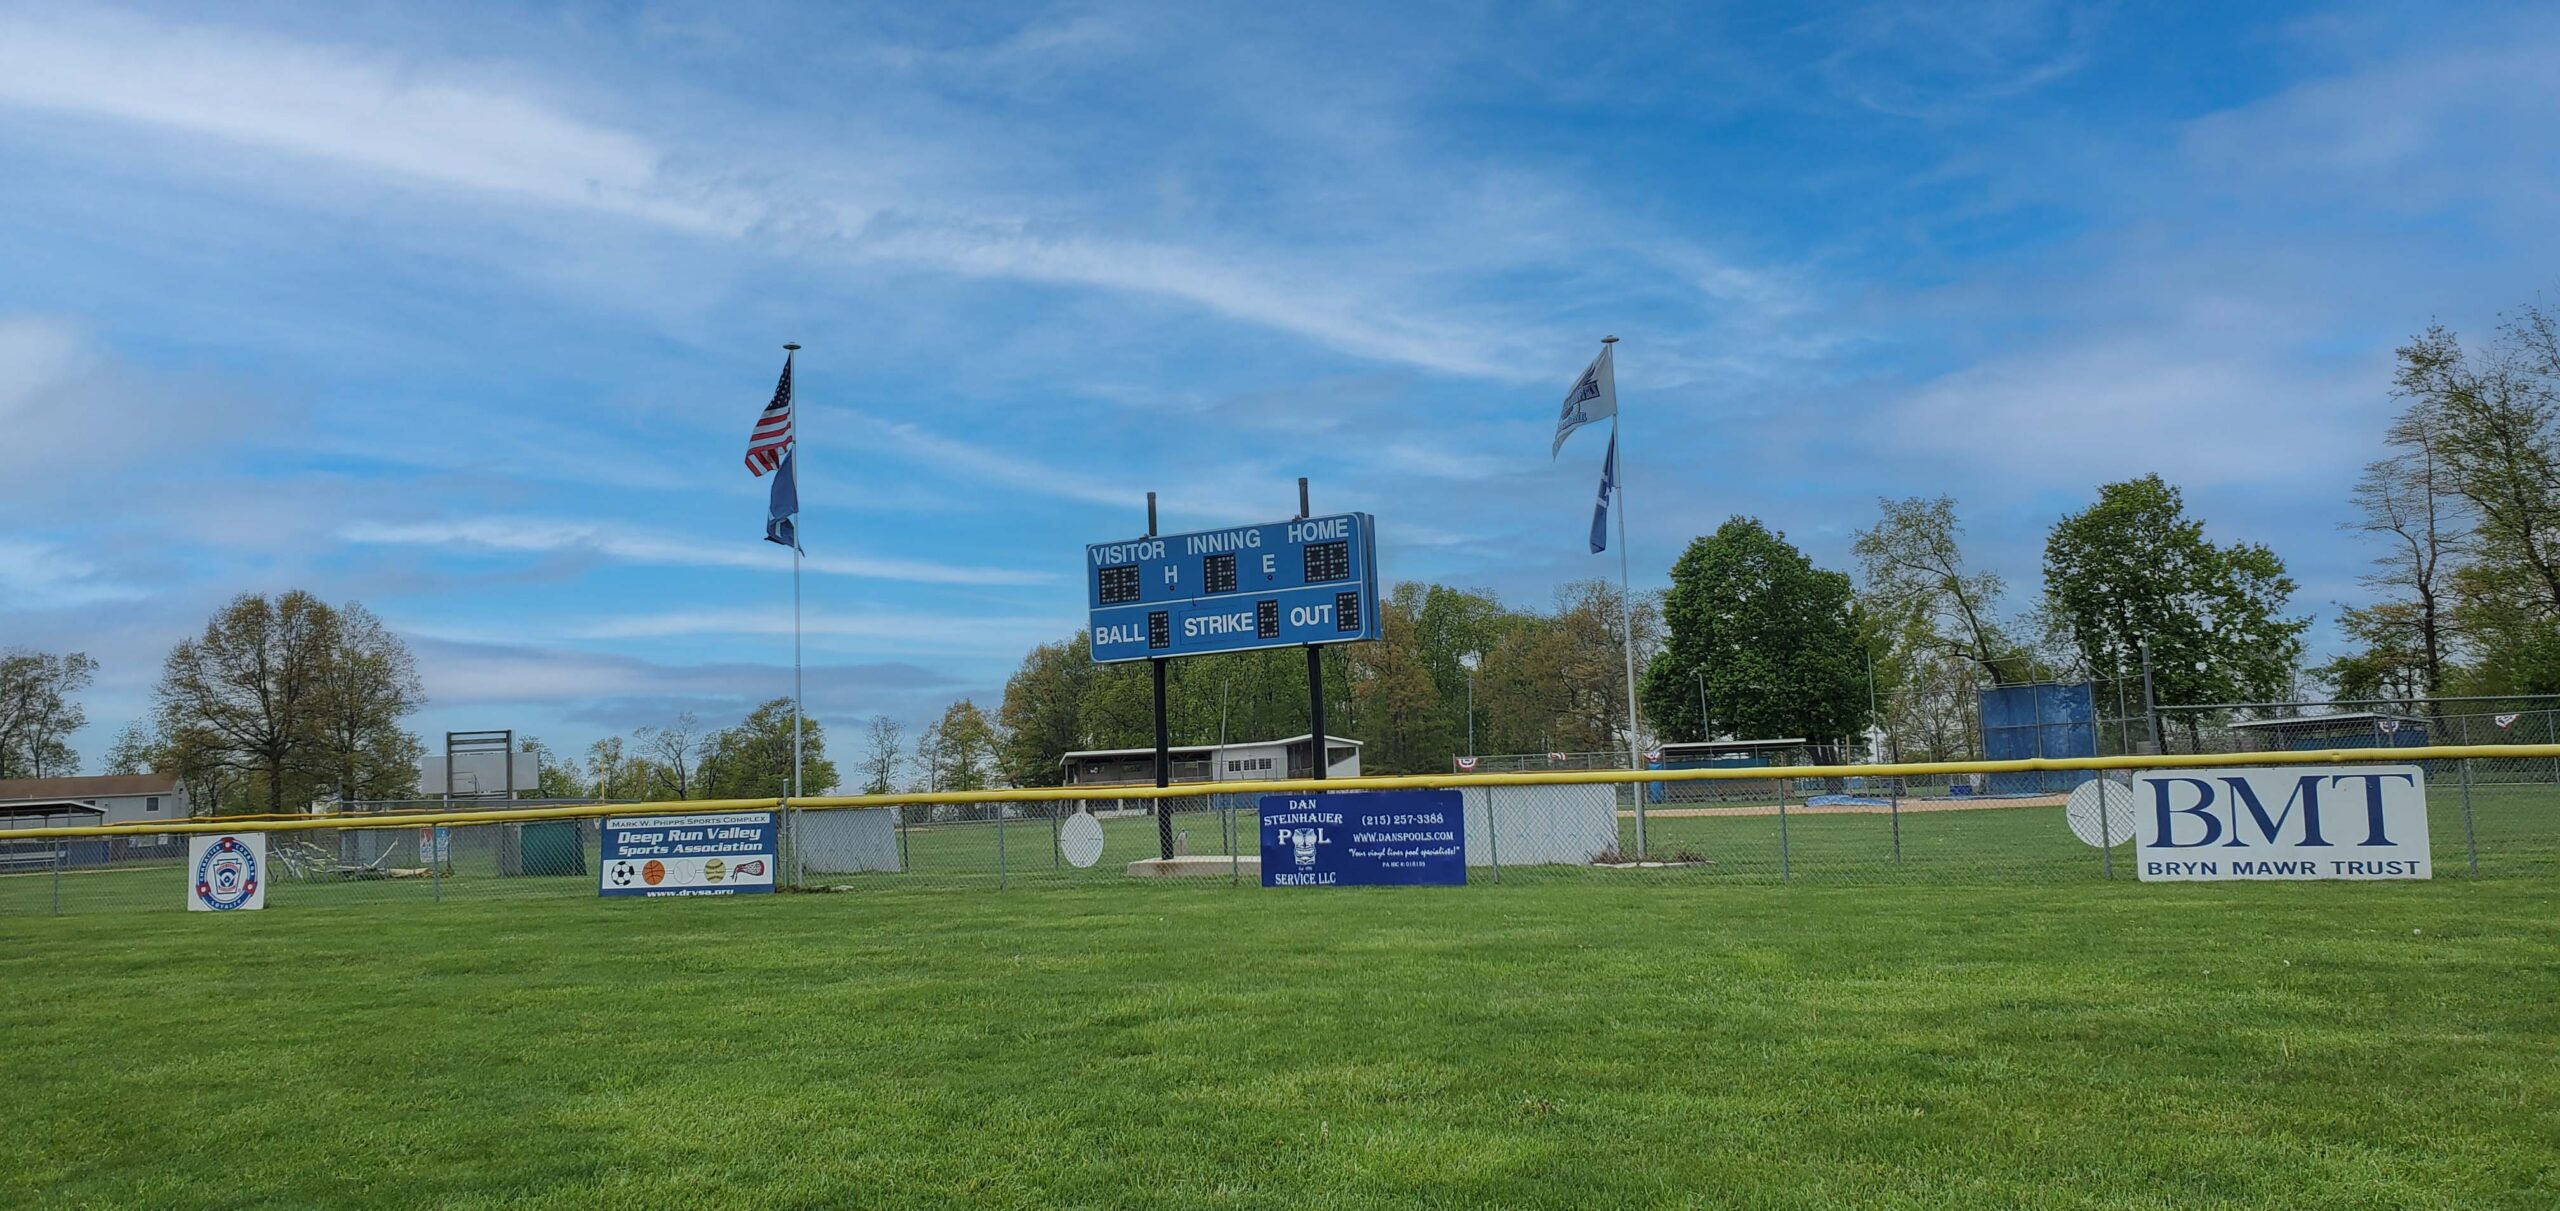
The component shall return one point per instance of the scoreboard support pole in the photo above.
(1164, 737)
(1315, 712)
(1164, 768)
(1317, 765)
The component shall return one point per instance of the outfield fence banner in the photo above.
(2486, 811)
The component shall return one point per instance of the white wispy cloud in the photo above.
(69, 410)
(40, 576)
(1220, 501)
(613, 541)
(1374, 289)
(466, 129)
(362, 110)
(463, 673)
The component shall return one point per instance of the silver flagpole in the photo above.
(791, 352)
(1626, 608)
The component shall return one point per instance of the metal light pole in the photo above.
(1470, 661)
(1705, 731)
(2150, 705)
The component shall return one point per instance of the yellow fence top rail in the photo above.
(1038, 794)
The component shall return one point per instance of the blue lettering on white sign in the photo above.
(706, 855)
(1285, 584)
(1349, 838)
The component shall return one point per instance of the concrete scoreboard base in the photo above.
(1188, 866)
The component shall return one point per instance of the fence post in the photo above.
(435, 869)
(1056, 861)
(2470, 839)
(2551, 735)
(1492, 835)
(59, 848)
(1896, 810)
(1000, 874)
(1785, 859)
(2106, 823)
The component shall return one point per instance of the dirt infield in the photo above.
(1851, 809)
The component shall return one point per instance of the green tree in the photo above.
(1043, 711)
(365, 684)
(274, 706)
(1914, 566)
(39, 705)
(1777, 641)
(2134, 567)
(1558, 683)
(2408, 503)
(1395, 706)
(964, 750)
(1450, 627)
(615, 771)
(556, 778)
(753, 759)
(672, 753)
(880, 755)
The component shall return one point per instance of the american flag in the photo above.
(771, 442)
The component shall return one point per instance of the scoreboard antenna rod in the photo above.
(1164, 737)
(1302, 498)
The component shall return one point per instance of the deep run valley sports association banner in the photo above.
(721, 855)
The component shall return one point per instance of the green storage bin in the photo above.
(550, 847)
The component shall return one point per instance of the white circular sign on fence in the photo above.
(1080, 839)
(2101, 813)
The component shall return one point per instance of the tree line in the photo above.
(2463, 509)
(1751, 640)
(683, 759)
(1449, 660)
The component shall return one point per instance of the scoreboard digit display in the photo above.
(1328, 561)
(1282, 584)
(1119, 585)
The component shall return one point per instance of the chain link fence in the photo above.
(2490, 816)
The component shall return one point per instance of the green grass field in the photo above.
(1557, 1043)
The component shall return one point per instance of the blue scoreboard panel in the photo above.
(1286, 584)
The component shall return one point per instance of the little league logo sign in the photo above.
(226, 872)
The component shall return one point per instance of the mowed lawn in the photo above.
(2078, 1044)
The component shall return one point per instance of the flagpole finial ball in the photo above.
(796, 348)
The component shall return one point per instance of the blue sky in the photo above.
(464, 310)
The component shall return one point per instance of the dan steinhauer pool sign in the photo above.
(2301, 822)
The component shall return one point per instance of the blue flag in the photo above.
(1599, 512)
(786, 504)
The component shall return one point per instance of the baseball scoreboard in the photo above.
(1286, 584)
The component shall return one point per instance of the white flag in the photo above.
(1594, 397)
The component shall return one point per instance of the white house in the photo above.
(106, 799)
(1243, 761)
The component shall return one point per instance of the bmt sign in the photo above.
(2350, 822)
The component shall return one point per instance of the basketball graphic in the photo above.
(653, 872)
